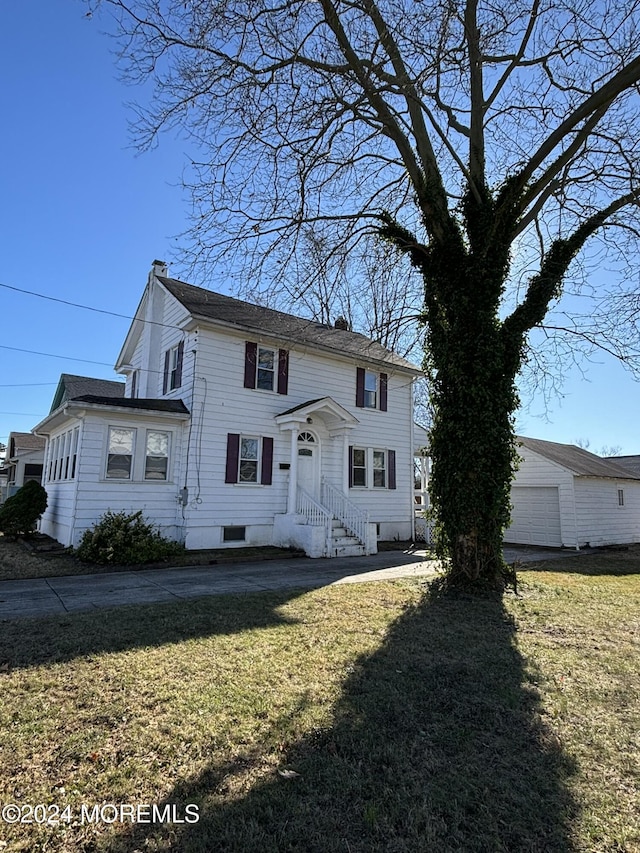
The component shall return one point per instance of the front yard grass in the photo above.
(413, 722)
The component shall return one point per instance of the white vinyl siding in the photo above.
(224, 406)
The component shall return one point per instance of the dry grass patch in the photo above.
(415, 723)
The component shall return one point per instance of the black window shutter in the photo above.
(267, 461)
(383, 391)
(391, 461)
(165, 381)
(250, 364)
(360, 387)
(283, 371)
(179, 364)
(233, 454)
(350, 466)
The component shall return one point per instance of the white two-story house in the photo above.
(240, 425)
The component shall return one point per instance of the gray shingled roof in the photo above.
(629, 463)
(258, 319)
(22, 442)
(146, 403)
(577, 460)
(71, 386)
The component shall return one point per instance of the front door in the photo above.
(309, 464)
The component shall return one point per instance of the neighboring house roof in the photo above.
(629, 463)
(579, 461)
(70, 387)
(23, 442)
(215, 307)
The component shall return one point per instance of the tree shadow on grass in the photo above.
(610, 562)
(437, 744)
(56, 639)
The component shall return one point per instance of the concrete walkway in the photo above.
(54, 596)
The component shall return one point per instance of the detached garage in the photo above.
(564, 496)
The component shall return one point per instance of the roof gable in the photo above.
(225, 310)
(71, 386)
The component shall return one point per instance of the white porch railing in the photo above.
(354, 519)
(315, 514)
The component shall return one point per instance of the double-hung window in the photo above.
(372, 468)
(266, 368)
(371, 389)
(172, 377)
(249, 459)
(120, 453)
(379, 469)
(359, 467)
(266, 372)
(156, 461)
(137, 454)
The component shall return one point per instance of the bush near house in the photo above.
(20, 512)
(120, 538)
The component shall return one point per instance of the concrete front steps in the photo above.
(343, 544)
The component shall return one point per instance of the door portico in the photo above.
(306, 460)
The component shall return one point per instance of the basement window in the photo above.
(234, 534)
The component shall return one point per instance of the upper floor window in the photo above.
(173, 368)
(134, 384)
(266, 372)
(266, 368)
(371, 389)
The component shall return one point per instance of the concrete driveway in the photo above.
(53, 596)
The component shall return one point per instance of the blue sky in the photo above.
(82, 216)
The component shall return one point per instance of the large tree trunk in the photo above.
(472, 437)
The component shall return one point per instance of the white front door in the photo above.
(309, 464)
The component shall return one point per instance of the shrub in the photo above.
(19, 513)
(124, 539)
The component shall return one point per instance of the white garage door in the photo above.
(535, 518)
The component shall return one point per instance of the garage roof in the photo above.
(579, 461)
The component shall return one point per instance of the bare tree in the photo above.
(491, 144)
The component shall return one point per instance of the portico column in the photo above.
(293, 471)
(345, 461)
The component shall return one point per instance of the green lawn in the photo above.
(414, 722)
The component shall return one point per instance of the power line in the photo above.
(27, 384)
(86, 307)
(66, 302)
(53, 355)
